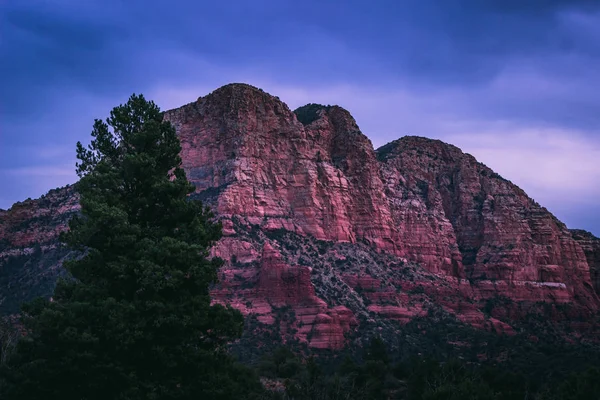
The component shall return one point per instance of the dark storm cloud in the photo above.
(43, 49)
(535, 6)
(430, 43)
(452, 41)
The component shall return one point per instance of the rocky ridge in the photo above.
(319, 223)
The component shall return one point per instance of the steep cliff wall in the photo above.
(249, 149)
(508, 244)
(591, 247)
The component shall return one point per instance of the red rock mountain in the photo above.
(317, 221)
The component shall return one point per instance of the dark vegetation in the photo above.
(309, 113)
(384, 151)
(376, 372)
(24, 277)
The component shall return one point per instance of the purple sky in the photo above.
(515, 83)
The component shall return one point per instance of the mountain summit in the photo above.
(319, 222)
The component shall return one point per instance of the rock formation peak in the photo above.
(315, 219)
(240, 91)
(312, 112)
(423, 146)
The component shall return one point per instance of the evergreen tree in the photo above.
(135, 320)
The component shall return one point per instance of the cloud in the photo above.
(46, 171)
(532, 7)
(561, 163)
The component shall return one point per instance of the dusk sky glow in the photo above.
(514, 83)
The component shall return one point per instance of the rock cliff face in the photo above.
(505, 240)
(37, 221)
(250, 149)
(318, 223)
(591, 247)
(30, 258)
